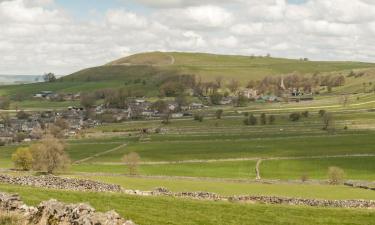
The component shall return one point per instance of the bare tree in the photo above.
(219, 81)
(132, 160)
(336, 175)
(49, 155)
(329, 122)
(233, 86)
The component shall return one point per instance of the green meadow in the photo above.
(161, 210)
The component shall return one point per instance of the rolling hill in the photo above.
(145, 69)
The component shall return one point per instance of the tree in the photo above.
(49, 155)
(329, 123)
(271, 119)
(216, 98)
(294, 116)
(166, 118)
(88, 100)
(4, 102)
(322, 112)
(335, 175)
(56, 131)
(23, 159)
(242, 101)
(49, 77)
(263, 119)
(219, 81)
(63, 124)
(219, 114)
(199, 117)
(131, 160)
(305, 114)
(233, 85)
(251, 120)
(22, 115)
(160, 106)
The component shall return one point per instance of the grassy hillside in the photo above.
(242, 68)
(144, 71)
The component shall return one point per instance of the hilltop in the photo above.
(210, 66)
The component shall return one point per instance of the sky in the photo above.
(64, 36)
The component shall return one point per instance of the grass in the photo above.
(161, 210)
(245, 169)
(9, 219)
(147, 68)
(356, 168)
(304, 145)
(209, 66)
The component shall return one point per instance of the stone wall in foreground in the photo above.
(53, 212)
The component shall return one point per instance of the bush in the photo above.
(304, 177)
(271, 119)
(216, 98)
(294, 116)
(23, 159)
(199, 117)
(305, 114)
(219, 114)
(251, 120)
(322, 112)
(336, 175)
(263, 119)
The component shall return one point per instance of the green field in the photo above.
(356, 168)
(143, 72)
(160, 210)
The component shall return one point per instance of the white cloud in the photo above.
(39, 36)
(124, 19)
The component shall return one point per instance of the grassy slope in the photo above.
(158, 210)
(243, 68)
(208, 66)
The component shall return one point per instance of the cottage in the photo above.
(226, 101)
(250, 93)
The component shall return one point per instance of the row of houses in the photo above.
(74, 119)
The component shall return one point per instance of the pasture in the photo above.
(161, 210)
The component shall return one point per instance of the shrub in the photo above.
(219, 114)
(263, 119)
(322, 112)
(271, 119)
(199, 117)
(305, 114)
(304, 177)
(251, 120)
(329, 122)
(294, 116)
(23, 159)
(336, 175)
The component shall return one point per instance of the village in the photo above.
(27, 126)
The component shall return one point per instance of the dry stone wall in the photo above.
(60, 183)
(87, 185)
(53, 212)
